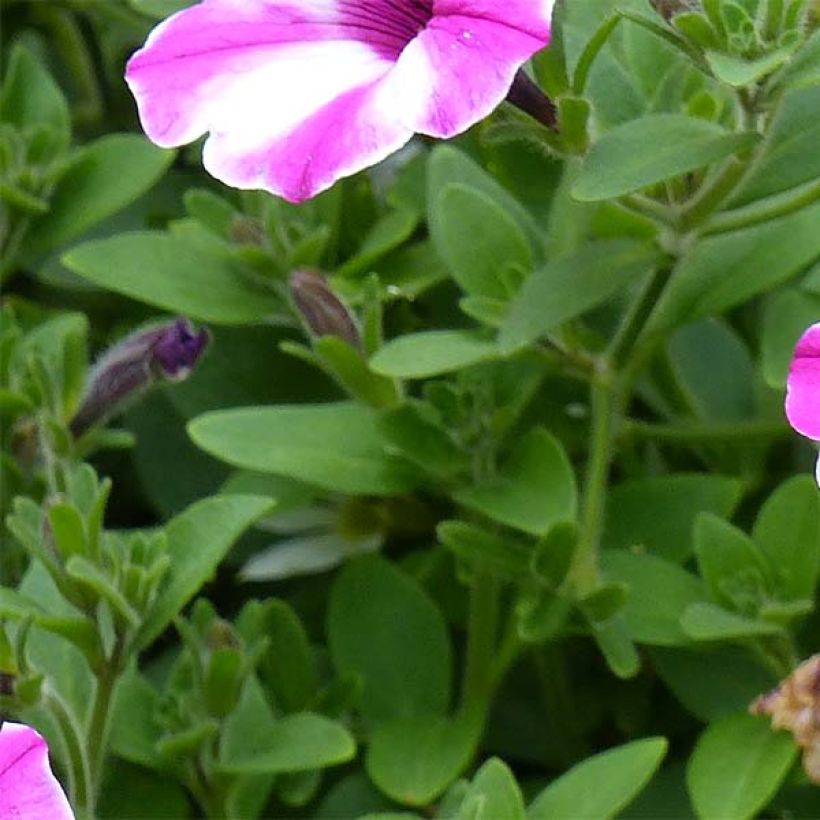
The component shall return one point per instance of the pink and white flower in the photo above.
(803, 388)
(28, 789)
(296, 94)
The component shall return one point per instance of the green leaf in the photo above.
(89, 575)
(168, 273)
(132, 792)
(478, 239)
(31, 98)
(134, 730)
(712, 682)
(431, 353)
(656, 514)
(67, 529)
(553, 554)
(787, 157)
(393, 229)
(714, 371)
(198, 540)
(727, 269)
(493, 794)
(287, 667)
(602, 785)
(651, 149)
(737, 766)
(336, 446)
(347, 365)
(660, 593)
(413, 432)
(449, 166)
(616, 646)
(732, 566)
(481, 548)
(708, 622)
(738, 72)
(413, 760)
(105, 176)
(569, 285)
(786, 317)
(535, 488)
(295, 743)
(787, 532)
(382, 626)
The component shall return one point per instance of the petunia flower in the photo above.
(28, 789)
(296, 94)
(803, 388)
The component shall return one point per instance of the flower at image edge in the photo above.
(28, 788)
(296, 94)
(803, 388)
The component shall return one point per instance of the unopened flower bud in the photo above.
(526, 95)
(324, 313)
(795, 706)
(167, 351)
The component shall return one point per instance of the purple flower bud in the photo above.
(167, 351)
(527, 96)
(324, 313)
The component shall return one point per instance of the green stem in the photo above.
(648, 208)
(584, 576)
(80, 784)
(482, 636)
(688, 433)
(772, 208)
(508, 651)
(635, 320)
(711, 195)
(99, 722)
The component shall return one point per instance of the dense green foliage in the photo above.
(529, 546)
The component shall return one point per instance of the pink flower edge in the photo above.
(295, 94)
(28, 788)
(803, 385)
(803, 388)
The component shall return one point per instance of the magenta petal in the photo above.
(248, 68)
(458, 70)
(530, 16)
(28, 789)
(356, 130)
(803, 385)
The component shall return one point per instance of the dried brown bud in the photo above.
(795, 707)
(324, 313)
(669, 8)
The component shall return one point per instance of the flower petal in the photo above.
(266, 77)
(459, 69)
(28, 789)
(356, 130)
(530, 16)
(803, 385)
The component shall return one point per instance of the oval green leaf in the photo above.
(601, 785)
(737, 766)
(168, 273)
(336, 446)
(652, 149)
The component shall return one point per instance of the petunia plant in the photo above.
(447, 447)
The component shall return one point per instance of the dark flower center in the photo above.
(388, 25)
